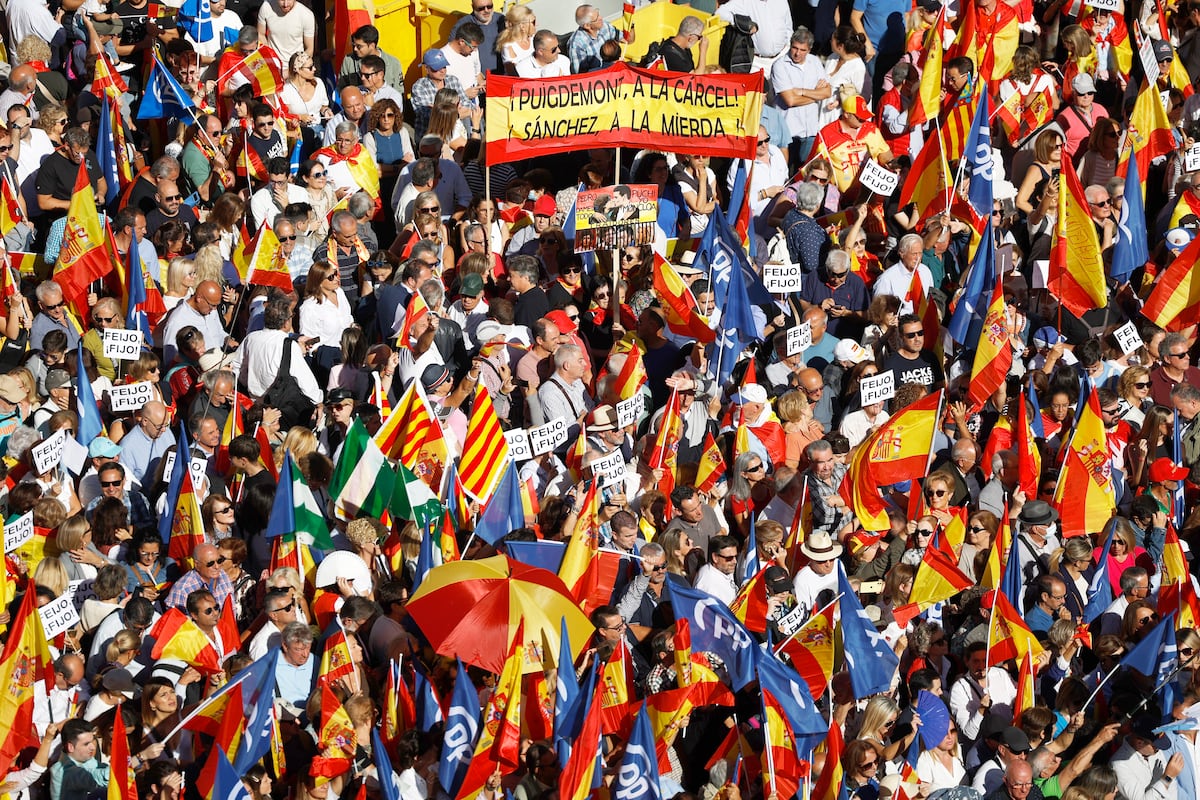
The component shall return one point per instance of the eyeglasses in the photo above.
(362, 74)
(1142, 385)
(620, 626)
(761, 142)
(658, 567)
(288, 607)
(936, 493)
(291, 238)
(172, 198)
(488, 7)
(431, 209)
(816, 179)
(725, 557)
(1084, 94)
(838, 276)
(222, 560)
(387, 115)
(1144, 621)
(913, 334)
(869, 765)
(333, 276)
(627, 257)
(572, 269)
(600, 296)
(207, 611)
(53, 307)
(112, 484)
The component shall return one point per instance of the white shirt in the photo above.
(465, 68)
(286, 33)
(267, 637)
(298, 105)
(808, 585)
(262, 203)
(180, 317)
(855, 425)
(774, 20)
(1140, 777)
(33, 152)
(325, 319)
(31, 18)
(257, 362)
(762, 176)
(930, 770)
(718, 584)
(895, 281)
(787, 74)
(530, 67)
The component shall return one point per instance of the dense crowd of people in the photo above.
(325, 251)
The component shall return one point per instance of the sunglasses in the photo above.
(761, 142)
(627, 257)
(1101, 204)
(977, 529)
(368, 74)
(208, 611)
(572, 270)
(431, 209)
(53, 307)
(291, 238)
(212, 563)
(488, 7)
(549, 240)
(924, 532)
(316, 175)
(658, 568)
(914, 335)
(172, 198)
(224, 510)
(288, 607)
(148, 554)
(112, 484)
(1142, 385)
(936, 493)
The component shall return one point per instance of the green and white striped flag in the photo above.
(362, 480)
(412, 498)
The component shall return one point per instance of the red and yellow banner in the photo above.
(623, 106)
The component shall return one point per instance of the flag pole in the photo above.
(615, 303)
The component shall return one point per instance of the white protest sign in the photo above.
(782, 278)
(1191, 159)
(629, 410)
(545, 438)
(122, 345)
(877, 179)
(1165, 97)
(79, 591)
(18, 532)
(799, 338)
(130, 397)
(1128, 338)
(1110, 5)
(47, 454)
(75, 456)
(518, 444)
(197, 466)
(58, 615)
(878, 388)
(1146, 55)
(790, 623)
(609, 469)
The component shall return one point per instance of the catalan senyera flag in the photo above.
(938, 578)
(25, 660)
(336, 739)
(498, 744)
(121, 783)
(829, 783)
(413, 435)
(84, 256)
(956, 125)
(1076, 264)
(897, 451)
(712, 465)
(929, 182)
(1174, 304)
(1085, 497)
(1008, 635)
(1150, 129)
(176, 637)
(268, 266)
(993, 353)
(485, 450)
(679, 305)
(928, 99)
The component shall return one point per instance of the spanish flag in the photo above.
(10, 209)
(1029, 457)
(632, 375)
(416, 310)
(1077, 279)
(263, 72)
(1149, 129)
(335, 660)
(1085, 497)
(336, 739)
(106, 79)
(750, 604)
(1180, 596)
(829, 782)
(988, 40)
(247, 163)
(1174, 304)
(993, 571)
(268, 265)
(498, 745)
(222, 719)
(665, 453)
(176, 637)
(588, 573)
(485, 450)
(712, 465)
(187, 526)
(24, 661)
(938, 578)
(84, 257)
(347, 18)
(928, 100)
(812, 650)
(993, 353)
(121, 784)
(1026, 689)
(679, 305)
(1008, 635)
(929, 182)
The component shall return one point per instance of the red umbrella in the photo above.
(472, 609)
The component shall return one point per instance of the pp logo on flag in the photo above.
(717, 624)
(632, 782)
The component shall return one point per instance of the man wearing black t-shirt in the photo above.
(56, 177)
(912, 363)
(265, 138)
(675, 52)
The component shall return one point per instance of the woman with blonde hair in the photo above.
(181, 281)
(52, 120)
(878, 721)
(297, 441)
(800, 428)
(79, 556)
(209, 263)
(1047, 161)
(1073, 564)
(1133, 387)
(123, 648)
(981, 532)
(678, 546)
(516, 42)
(52, 575)
(148, 369)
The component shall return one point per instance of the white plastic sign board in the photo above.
(197, 466)
(130, 397)
(877, 388)
(1191, 159)
(79, 591)
(790, 623)
(629, 410)
(1108, 5)
(877, 179)
(518, 444)
(48, 454)
(609, 469)
(18, 532)
(122, 345)
(58, 616)
(545, 438)
(75, 456)
(1146, 54)
(799, 338)
(1128, 338)
(782, 278)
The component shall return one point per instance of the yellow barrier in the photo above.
(660, 20)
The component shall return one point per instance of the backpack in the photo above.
(651, 54)
(284, 394)
(737, 48)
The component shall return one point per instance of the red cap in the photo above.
(856, 105)
(560, 319)
(861, 540)
(545, 206)
(1163, 469)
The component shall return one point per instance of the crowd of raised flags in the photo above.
(736, 569)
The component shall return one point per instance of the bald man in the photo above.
(354, 109)
(200, 310)
(205, 575)
(168, 206)
(143, 446)
(21, 83)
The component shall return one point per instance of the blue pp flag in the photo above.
(175, 484)
(720, 254)
(1100, 593)
(89, 426)
(504, 512)
(226, 783)
(135, 316)
(568, 727)
(164, 97)
(793, 697)
(462, 728)
(1035, 416)
(195, 17)
(967, 322)
(715, 629)
(1154, 656)
(978, 158)
(258, 697)
(389, 781)
(1011, 582)
(869, 659)
(107, 157)
(429, 712)
(638, 777)
(1130, 250)
(738, 328)
(567, 690)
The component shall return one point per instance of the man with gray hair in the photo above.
(546, 61)
(585, 43)
(676, 51)
(801, 86)
(807, 241)
(531, 304)
(52, 315)
(839, 293)
(423, 178)
(896, 279)
(564, 394)
(1174, 368)
(295, 671)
